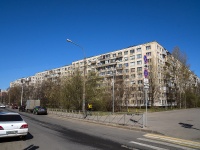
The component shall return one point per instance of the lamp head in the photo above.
(68, 40)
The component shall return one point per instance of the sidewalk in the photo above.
(184, 124)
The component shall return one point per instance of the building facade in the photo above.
(126, 64)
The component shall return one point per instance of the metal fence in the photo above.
(132, 120)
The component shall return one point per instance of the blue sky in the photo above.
(33, 33)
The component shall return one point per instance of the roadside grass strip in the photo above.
(182, 142)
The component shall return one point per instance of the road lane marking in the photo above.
(182, 142)
(124, 146)
(149, 146)
(167, 144)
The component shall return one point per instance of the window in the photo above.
(139, 75)
(119, 71)
(132, 57)
(132, 64)
(148, 54)
(126, 64)
(127, 76)
(112, 60)
(120, 53)
(126, 70)
(133, 75)
(10, 118)
(139, 62)
(139, 81)
(139, 49)
(139, 56)
(148, 47)
(126, 53)
(120, 65)
(102, 73)
(132, 69)
(132, 82)
(107, 61)
(132, 51)
(139, 68)
(109, 72)
(125, 58)
(149, 60)
(120, 59)
(114, 55)
(108, 56)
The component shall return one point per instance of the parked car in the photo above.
(22, 108)
(12, 125)
(14, 106)
(2, 106)
(39, 110)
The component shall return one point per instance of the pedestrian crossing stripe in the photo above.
(182, 142)
(146, 145)
(165, 143)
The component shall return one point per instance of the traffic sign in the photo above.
(145, 59)
(146, 81)
(146, 73)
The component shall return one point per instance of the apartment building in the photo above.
(126, 64)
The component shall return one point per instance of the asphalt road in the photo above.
(184, 123)
(55, 133)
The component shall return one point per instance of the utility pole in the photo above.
(113, 104)
(146, 85)
(84, 71)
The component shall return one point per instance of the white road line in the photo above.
(164, 143)
(150, 146)
(182, 142)
(124, 146)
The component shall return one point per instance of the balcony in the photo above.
(119, 68)
(93, 62)
(108, 64)
(119, 56)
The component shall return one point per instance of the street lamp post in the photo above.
(22, 82)
(113, 107)
(83, 104)
(1, 95)
(22, 93)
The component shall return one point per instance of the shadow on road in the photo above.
(13, 139)
(186, 125)
(31, 147)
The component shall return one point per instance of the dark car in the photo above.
(22, 108)
(40, 110)
(14, 106)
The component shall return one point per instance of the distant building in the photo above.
(127, 64)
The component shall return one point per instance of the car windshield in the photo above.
(10, 118)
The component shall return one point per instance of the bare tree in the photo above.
(181, 73)
(155, 80)
(15, 95)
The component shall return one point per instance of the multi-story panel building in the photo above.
(126, 64)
